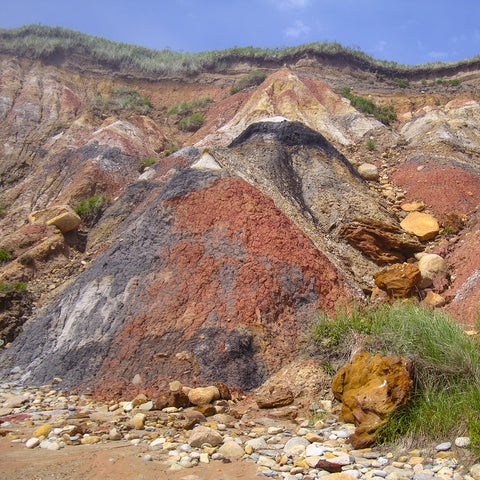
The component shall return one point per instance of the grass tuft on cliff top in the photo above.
(36, 41)
(446, 401)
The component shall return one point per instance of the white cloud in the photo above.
(298, 29)
(291, 4)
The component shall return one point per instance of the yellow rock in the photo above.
(413, 207)
(44, 430)
(416, 460)
(445, 455)
(301, 464)
(313, 437)
(329, 455)
(423, 225)
(433, 300)
(248, 449)
(90, 440)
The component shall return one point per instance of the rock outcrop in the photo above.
(371, 389)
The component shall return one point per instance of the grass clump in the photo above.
(446, 363)
(191, 123)
(370, 145)
(172, 147)
(386, 115)
(91, 210)
(252, 79)
(5, 255)
(187, 108)
(121, 100)
(18, 286)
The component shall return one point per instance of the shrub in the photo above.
(252, 79)
(401, 83)
(446, 365)
(5, 255)
(370, 145)
(19, 286)
(386, 115)
(91, 210)
(121, 100)
(191, 123)
(171, 147)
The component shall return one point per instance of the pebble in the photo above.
(284, 452)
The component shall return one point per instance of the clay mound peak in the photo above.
(286, 96)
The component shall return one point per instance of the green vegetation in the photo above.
(91, 210)
(252, 79)
(5, 255)
(370, 145)
(401, 83)
(386, 115)
(121, 100)
(191, 123)
(41, 42)
(2, 211)
(143, 164)
(19, 286)
(172, 147)
(446, 365)
(187, 108)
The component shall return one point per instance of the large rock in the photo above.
(431, 266)
(382, 242)
(399, 280)
(423, 225)
(274, 396)
(61, 216)
(371, 389)
(368, 171)
(66, 221)
(203, 395)
(201, 435)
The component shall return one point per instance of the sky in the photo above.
(405, 31)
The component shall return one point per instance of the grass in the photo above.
(121, 100)
(143, 164)
(370, 145)
(191, 123)
(19, 286)
(5, 255)
(91, 210)
(446, 362)
(187, 108)
(42, 42)
(386, 115)
(254, 78)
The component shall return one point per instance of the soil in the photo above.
(110, 461)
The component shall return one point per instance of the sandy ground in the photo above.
(110, 461)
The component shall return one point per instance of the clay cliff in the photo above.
(208, 250)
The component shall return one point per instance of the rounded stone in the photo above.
(368, 171)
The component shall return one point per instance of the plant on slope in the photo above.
(91, 210)
(191, 123)
(5, 255)
(386, 115)
(121, 100)
(184, 108)
(252, 79)
(446, 365)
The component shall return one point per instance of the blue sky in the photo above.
(405, 31)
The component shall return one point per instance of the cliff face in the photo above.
(211, 263)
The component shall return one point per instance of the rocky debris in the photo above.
(371, 389)
(383, 243)
(399, 280)
(423, 225)
(368, 171)
(433, 300)
(300, 450)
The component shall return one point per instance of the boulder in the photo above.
(224, 391)
(371, 388)
(368, 171)
(61, 216)
(203, 395)
(431, 266)
(274, 396)
(231, 450)
(66, 221)
(398, 280)
(201, 435)
(423, 225)
(382, 242)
